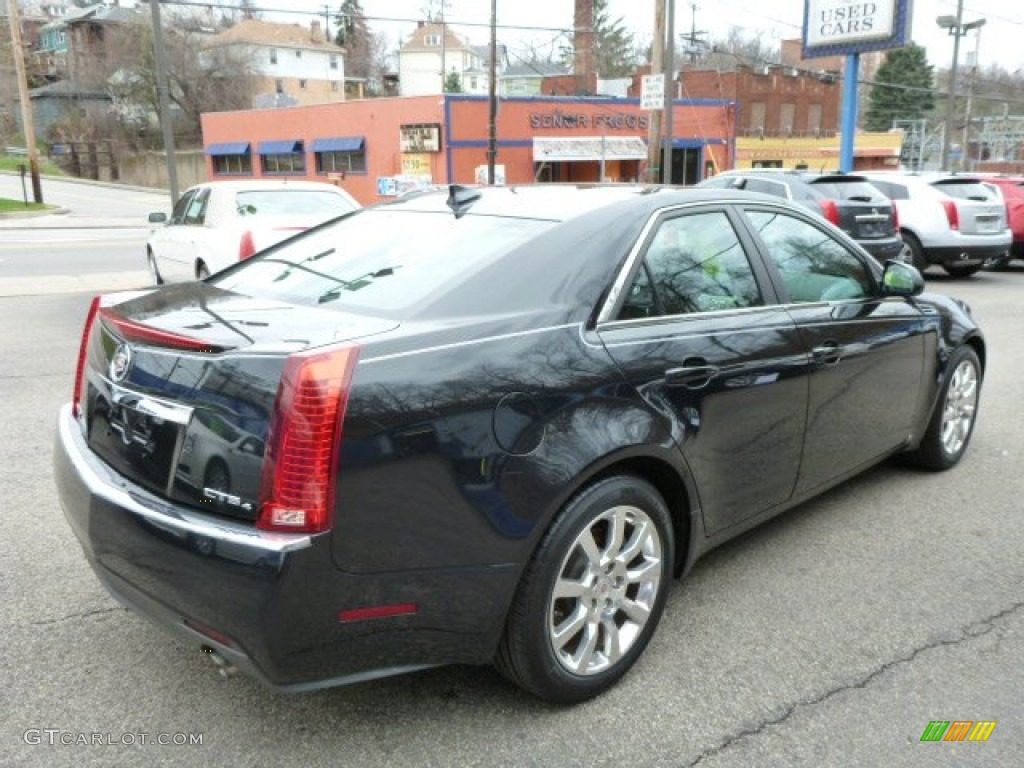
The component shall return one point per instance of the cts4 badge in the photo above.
(120, 363)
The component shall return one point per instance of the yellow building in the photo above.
(871, 151)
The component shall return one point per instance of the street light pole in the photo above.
(965, 163)
(955, 26)
(27, 120)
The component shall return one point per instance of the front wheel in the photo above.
(154, 270)
(593, 593)
(952, 423)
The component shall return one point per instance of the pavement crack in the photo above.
(72, 616)
(971, 631)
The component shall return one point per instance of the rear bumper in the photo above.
(267, 603)
(966, 250)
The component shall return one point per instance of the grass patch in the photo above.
(7, 205)
(11, 163)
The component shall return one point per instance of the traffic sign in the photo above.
(652, 92)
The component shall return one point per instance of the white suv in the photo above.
(220, 223)
(957, 222)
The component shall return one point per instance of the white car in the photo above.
(220, 223)
(955, 221)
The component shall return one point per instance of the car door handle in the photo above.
(692, 375)
(828, 353)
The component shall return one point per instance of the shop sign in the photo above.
(423, 137)
(582, 121)
(416, 164)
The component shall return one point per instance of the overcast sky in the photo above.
(1000, 41)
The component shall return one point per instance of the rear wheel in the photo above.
(154, 270)
(593, 593)
(916, 251)
(952, 423)
(961, 271)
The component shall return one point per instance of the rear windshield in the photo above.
(380, 260)
(291, 202)
(839, 189)
(966, 190)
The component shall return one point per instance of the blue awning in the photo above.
(228, 148)
(339, 144)
(285, 147)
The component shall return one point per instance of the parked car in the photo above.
(219, 223)
(846, 200)
(1012, 190)
(954, 221)
(492, 424)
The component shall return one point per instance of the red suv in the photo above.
(1012, 188)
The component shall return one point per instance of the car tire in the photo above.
(154, 270)
(202, 271)
(955, 271)
(592, 595)
(952, 422)
(917, 257)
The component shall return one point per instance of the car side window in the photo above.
(814, 267)
(178, 214)
(694, 263)
(195, 214)
(767, 187)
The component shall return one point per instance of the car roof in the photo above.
(239, 185)
(556, 202)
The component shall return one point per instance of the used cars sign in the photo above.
(833, 27)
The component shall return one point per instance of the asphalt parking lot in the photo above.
(831, 636)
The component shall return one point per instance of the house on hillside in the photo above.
(420, 68)
(293, 64)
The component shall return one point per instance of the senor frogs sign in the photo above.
(833, 27)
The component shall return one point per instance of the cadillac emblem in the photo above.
(120, 363)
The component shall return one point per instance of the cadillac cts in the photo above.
(491, 425)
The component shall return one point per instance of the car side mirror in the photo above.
(901, 279)
(157, 218)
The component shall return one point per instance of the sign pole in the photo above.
(848, 129)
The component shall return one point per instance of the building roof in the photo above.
(268, 33)
(535, 69)
(98, 13)
(416, 43)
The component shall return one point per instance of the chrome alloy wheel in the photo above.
(960, 408)
(605, 590)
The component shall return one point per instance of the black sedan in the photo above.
(491, 425)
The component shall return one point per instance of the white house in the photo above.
(293, 64)
(420, 70)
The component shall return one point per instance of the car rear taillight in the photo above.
(246, 246)
(830, 211)
(297, 489)
(90, 318)
(952, 215)
(130, 330)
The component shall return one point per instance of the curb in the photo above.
(56, 211)
(110, 184)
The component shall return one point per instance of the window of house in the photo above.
(285, 163)
(433, 41)
(279, 86)
(232, 165)
(302, 84)
(341, 162)
(334, 61)
(786, 114)
(334, 85)
(757, 116)
(298, 54)
(273, 55)
(814, 119)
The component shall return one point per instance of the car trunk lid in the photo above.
(862, 211)
(181, 387)
(981, 211)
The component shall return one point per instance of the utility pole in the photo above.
(164, 101)
(444, 52)
(695, 35)
(654, 127)
(947, 137)
(964, 142)
(670, 89)
(28, 127)
(492, 95)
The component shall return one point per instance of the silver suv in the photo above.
(957, 222)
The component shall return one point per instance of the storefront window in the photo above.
(232, 165)
(291, 163)
(341, 162)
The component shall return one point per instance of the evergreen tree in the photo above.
(902, 67)
(355, 36)
(453, 83)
